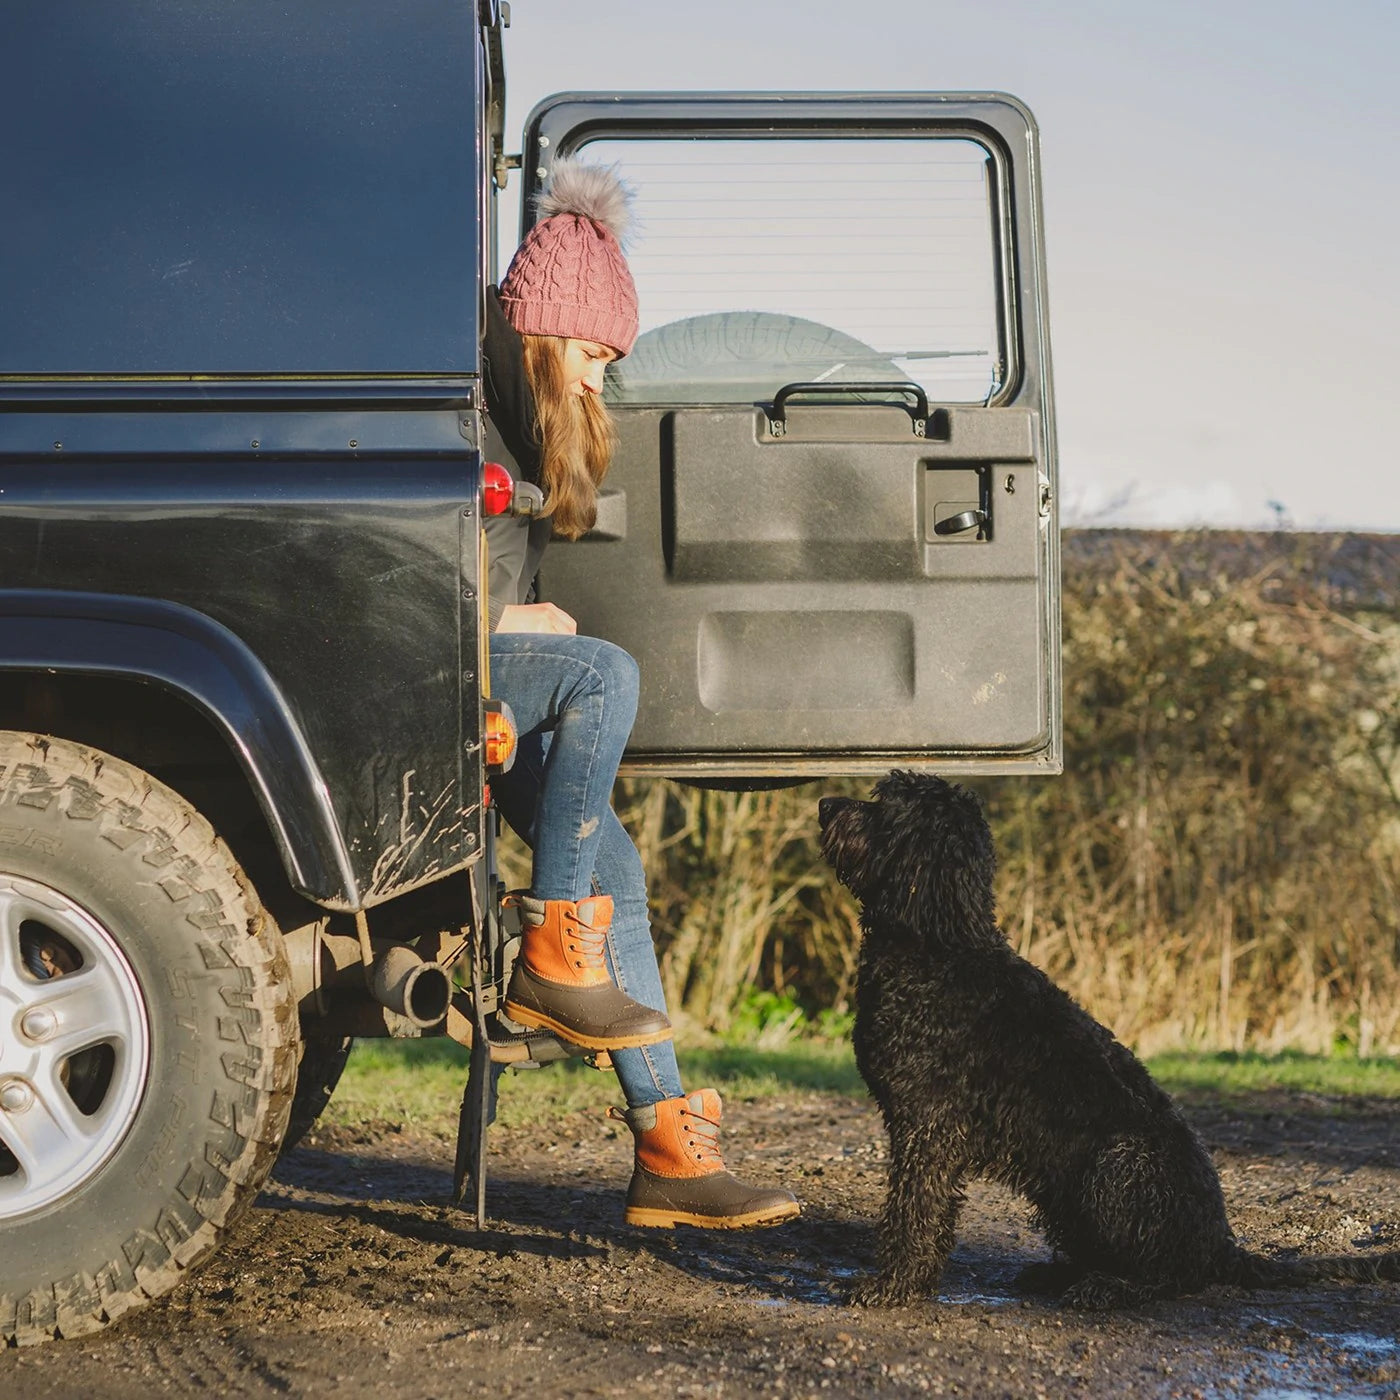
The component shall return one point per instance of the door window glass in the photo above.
(766, 262)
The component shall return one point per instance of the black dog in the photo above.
(982, 1066)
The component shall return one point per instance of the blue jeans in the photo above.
(574, 700)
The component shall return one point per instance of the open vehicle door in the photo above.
(829, 534)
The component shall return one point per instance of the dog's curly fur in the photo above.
(982, 1066)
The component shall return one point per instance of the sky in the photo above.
(1222, 203)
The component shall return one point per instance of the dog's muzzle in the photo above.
(843, 839)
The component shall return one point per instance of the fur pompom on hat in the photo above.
(569, 276)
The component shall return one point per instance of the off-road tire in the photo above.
(323, 1055)
(223, 1037)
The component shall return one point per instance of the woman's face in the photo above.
(584, 362)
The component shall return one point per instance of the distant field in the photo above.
(420, 1083)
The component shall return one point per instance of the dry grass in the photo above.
(1218, 868)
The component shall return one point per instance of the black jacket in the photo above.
(514, 546)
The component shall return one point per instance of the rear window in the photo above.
(764, 262)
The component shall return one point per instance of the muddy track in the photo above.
(352, 1277)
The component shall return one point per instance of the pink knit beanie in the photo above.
(569, 276)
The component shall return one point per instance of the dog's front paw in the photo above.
(882, 1291)
(1106, 1293)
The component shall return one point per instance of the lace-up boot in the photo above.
(561, 983)
(679, 1176)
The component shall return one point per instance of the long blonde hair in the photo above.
(576, 437)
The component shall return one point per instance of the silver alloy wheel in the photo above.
(74, 1047)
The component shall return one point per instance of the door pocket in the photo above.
(805, 660)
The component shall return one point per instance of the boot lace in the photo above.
(702, 1137)
(584, 944)
(701, 1134)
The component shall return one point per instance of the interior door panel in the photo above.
(829, 533)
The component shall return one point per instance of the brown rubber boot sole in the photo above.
(753, 1219)
(540, 1020)
(713, 1201)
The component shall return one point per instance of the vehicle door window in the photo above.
(764, 262)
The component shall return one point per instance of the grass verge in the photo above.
(1229, 1074)
(419, 1082)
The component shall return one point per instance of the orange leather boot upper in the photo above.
(678, 1176)
(567, 947)
(685, 1140)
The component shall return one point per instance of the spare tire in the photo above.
(739, 357)
(148, 1039)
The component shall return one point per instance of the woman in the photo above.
(587, 967)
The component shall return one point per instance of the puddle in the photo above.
(1368, 1344)
(1324, 1390)
(982, 1300)
(834, 1284)
(831, 1288)
(1312, 1374)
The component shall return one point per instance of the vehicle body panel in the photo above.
(64, 632)
(349, 578)
(242, 269)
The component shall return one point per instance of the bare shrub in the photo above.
(1218, 867)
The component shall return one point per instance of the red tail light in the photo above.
(497, 489)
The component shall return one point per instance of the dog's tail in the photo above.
(1250, 1270)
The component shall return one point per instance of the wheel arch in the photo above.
(117, 640)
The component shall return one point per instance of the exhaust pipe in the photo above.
(417, 990)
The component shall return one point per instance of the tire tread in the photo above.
(150, 823)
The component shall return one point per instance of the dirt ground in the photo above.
(353, 1277)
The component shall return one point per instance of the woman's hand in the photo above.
(536, 617)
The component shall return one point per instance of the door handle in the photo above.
(777, 419)
(962, 522)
